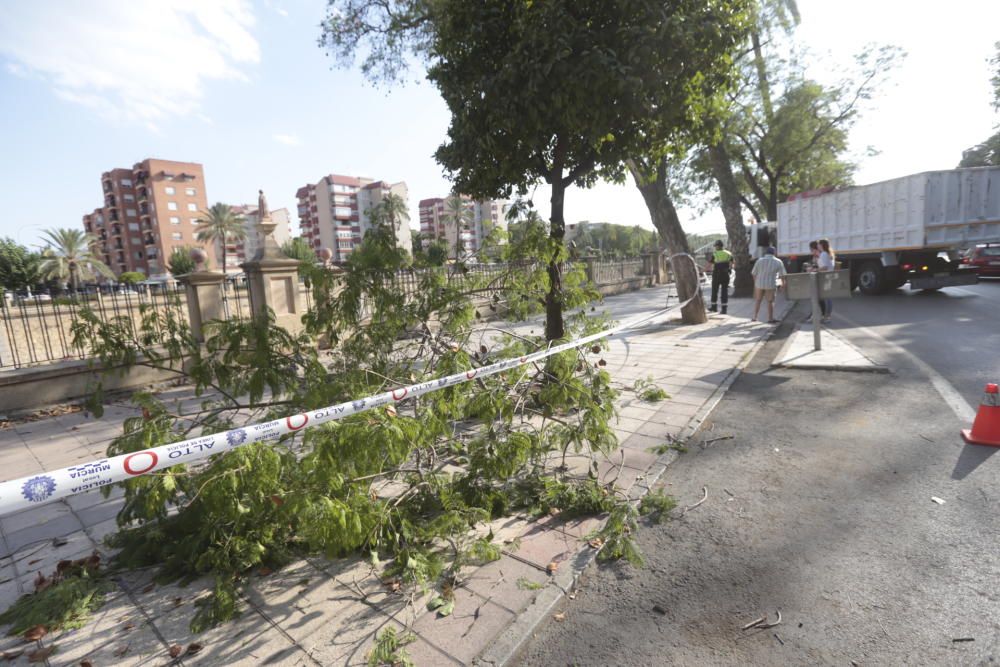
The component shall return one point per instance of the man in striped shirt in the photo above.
(766, 272)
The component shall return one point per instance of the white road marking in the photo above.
(952, 398)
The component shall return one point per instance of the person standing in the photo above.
(826, 262)
(766, 272)
(722, 261)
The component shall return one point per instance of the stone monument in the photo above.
(203, 289)
(273, 276)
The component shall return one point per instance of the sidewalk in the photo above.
(320, 612)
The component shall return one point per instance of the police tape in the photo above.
(36, 490)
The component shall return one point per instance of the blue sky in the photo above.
(243, 88)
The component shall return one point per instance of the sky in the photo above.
(242, 87)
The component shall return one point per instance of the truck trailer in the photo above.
(906, 230)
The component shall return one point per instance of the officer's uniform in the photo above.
(722, 261)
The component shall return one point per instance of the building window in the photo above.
(194, 221)
(172, 205)
(342, 211)
(169, 190)
(135, 241)
(174, 220)
(128, 197)
(343, 188)
(134, 226)
(138, 254)
(130, 212)
(192, 206)
(126, 182)
(341, 199)
(177, 236)
(190, 192)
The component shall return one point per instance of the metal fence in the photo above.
(38, 329)
(606, 272)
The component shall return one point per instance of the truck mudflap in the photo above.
(944, 280)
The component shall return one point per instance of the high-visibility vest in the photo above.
(722, 257)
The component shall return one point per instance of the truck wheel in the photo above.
(871, 278)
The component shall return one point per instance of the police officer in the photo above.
(722, 261)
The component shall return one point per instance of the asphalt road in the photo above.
(955, 330)
(821, 508)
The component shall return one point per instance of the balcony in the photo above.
(110, 201)
(150, 239)
(118, 245)
(143, 209)
(113, 217)
(116, 230)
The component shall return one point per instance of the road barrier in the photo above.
(36, 490)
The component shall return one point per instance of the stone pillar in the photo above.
(686, 279)
(204, 299)
(649, 267)
(589, 261)
(273, 279)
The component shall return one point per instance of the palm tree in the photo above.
(458, 215)
(395, 210)
(219, 224)
(70, 256)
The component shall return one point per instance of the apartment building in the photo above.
(148, 210)
(333, 213)
(436, 223)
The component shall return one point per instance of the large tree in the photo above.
(560, 92)
(19, 267)
(785, 135)
(70, 257)
(565, 92)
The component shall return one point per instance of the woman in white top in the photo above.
(825, 262)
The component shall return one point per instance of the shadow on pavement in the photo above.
(972, 457)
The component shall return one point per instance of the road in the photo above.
(956, 330)
(820, 507)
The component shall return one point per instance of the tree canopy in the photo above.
(987, 153)
(19, 267)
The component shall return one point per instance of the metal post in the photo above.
(814, 293)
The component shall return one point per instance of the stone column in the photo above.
(589, 261)
(204, 299)
(273, 278)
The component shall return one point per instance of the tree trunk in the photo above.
(663, 213)
(223, 256)
(554, 327)
(685, 272)
(729, 196)
(762, 84)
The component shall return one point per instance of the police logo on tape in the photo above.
(236, 437)
(38, 488)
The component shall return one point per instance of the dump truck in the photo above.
(912, 229)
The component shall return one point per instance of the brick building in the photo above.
(148, 211)
(333, 213)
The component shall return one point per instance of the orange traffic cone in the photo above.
(986, 427)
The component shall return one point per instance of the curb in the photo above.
(871, 367)
(505, 646)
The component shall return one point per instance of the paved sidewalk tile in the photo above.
(467, 631)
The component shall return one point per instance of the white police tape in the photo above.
(18, 494)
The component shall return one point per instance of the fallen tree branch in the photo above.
(703, 499)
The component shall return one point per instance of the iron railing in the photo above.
(38, 329)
